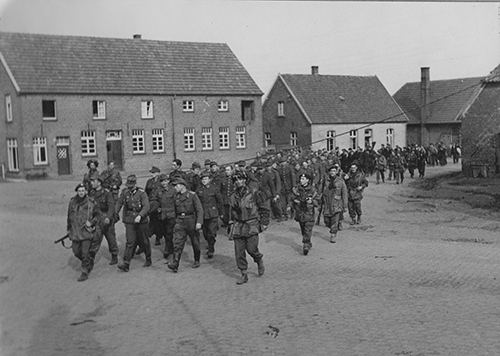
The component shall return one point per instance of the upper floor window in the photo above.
(206, 138)
(147, 109)
(88, 143)
(223, 105)
(224, 138)
(390, 137)
(49, 109)
(138, 141)
(188, 105)
(281, 108)
(189, 143)
(241, 140)
(330, 140)
(293, 138)
(99, 109)
(158, 141)
(8, 108)
(40, 150)
(267, 139)
(353, 139)
(247, 110)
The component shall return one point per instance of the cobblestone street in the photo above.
(417, 277)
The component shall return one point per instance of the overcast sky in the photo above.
(389, 39)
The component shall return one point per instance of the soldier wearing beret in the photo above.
(334, 199)
(135, 205)
(211, 201)
(152, 184)
(356, 182)
(246, 226)
(305, 198)
(189, 218)
(92, 165)
(82, 226)
(104, 199)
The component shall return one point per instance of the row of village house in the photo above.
(141, 103)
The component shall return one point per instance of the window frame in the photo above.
(207, 139)
(91, 137)
(224, 138)
(147, 111)
(281, 109)
(188, 106)
(353, 139)
(223, 105)
(331, 140)
(138, 140)
(8, 108)
(39, 146)
(12, 155)
(267, 140)
(189, 139)
(293, 138)
(49, 118)
(241, 137)
(390, 136)
(158, 140)
(98, 116)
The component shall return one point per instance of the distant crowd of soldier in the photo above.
(241, 197)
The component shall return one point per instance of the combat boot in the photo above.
(83, 277)
(305, 250)
(196, 264)
(174, 265)
(260, 267)
(147, 263)
(353, 221)
(333, 238)
(243, 278)
(123, 267)
(114, 260)
(359, 220)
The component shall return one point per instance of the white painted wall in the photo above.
(318, 132)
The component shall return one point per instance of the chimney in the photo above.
(425, 99)
(314, 70)
(137, 36)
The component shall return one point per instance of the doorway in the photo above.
(114, 148)
(63, 161)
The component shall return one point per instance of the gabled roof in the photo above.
(74, 64)
(448, 99)
(494, 76)
(338, 99)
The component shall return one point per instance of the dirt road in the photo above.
(417, 277)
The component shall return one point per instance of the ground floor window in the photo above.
(390, 137)
(330, 140)
(189, 144)
(40, 150)
(12, 155)
(353, 138)
(88, 143)
(241, 141)
(158, 141)
(138, 141)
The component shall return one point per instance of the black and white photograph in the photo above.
(249, 177)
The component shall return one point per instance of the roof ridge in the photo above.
(448, 80)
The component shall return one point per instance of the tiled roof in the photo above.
(336, 99)
(448, 98)
(74, 64)
(494, 76)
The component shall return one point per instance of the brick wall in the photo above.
(481, 130)
(280, 127)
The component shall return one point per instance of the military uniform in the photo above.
(287, 177)
(153, 184)
(112, 180)
(211, 202)
(306, 200)
(135, 203)
(163, 202)
(104, 200)
(334, 203)
(356, 183)
(226, 189)
(188, 212)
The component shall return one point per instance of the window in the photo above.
(267, 139)
(8, 108)
(49, 109)
(158, 141)
(187, 105)
(189, 139)
(12, 155)
(330, 140)
(147, 109)
(390, 137)
(353, 137)
(138, 141)
(223, 105)
(281, 109)
(224, 138)
(368, 137)
(247, 110)
(39, 150)
(241, 141)
(293, 138)
(99, 109)
(88, 143)
(206, 138)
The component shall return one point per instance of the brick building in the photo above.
(328, 111)
(138, 102)
(481, 129)
(435, 108)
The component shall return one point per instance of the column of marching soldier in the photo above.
(299, 183)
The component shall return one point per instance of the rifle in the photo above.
(61, 240)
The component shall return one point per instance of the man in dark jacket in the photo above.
(287, 177)
(152, 184)
(112, 180)
(356, 182)
(305, 198)
(226, 189)
(135, 205)
(334, 201)
(211, 202)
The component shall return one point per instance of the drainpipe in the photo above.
(173, 127)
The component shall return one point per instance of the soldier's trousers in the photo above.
(332, 222)
(421, 170)
(400, 176)
(306, 228)
(168, 232)
(248, 244)
(226, 214)
(109, 232)
(210, 227)
(276, 208)
(380, 174)
(136, 234)
(155, 226)
(354, 207)
(265, 213)
(185, 227)
(285, 204)
(81, 250)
